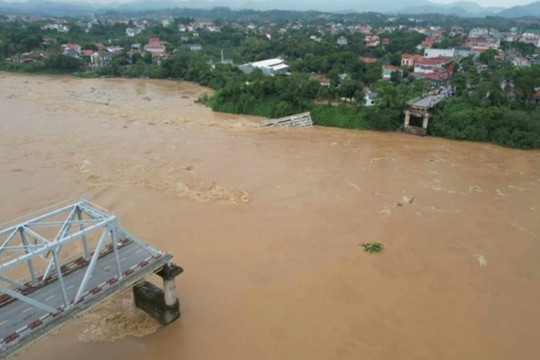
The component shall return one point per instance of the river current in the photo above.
(268, 222)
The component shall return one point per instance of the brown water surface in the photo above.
(268, 223)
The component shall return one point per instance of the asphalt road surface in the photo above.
(17, 314)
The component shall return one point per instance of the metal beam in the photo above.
(51, 246)
(41, 217)
(81, 228)
(29, 261)
(61, 233)
(149, 249)
(90, 269)
(11, 236)
(11, 282)
(27, 300)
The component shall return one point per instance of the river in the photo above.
(268, 222)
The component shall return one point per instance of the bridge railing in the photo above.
(50, 244)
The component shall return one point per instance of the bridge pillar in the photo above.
(162, 305)
(407, 117)
(168, 274)
(425, 121)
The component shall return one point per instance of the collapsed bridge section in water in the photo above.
(68, 259)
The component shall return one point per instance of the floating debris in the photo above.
(303, 119)
(482, 261)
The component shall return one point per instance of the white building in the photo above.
(268, 67)
(479, 32)
(435, 53)
(342, 40)
(531, 38)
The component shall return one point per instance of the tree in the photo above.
(63, 63)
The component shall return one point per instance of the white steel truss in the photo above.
(33, 252)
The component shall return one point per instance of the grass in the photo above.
(372, 247)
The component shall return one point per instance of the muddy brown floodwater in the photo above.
(268, 225)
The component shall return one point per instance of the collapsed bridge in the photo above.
(65, 260)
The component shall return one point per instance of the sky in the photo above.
(499, 3)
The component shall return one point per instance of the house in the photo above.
(87, 53)
(430, 65)
(464, 51)
(155, 47)
(368, 60)
(435, 53)
(531, 38)
(325, 82)
(387, 71)
(48, 41)
(342, 40)
(268, 67)
(131, 32)
(408, 60)
(428, 43)
(372, 40)
(370, 98)
(509, 37)
(479, 32)
(192, 47)
(71, 49)
(483, 43)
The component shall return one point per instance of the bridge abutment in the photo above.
(162, 305)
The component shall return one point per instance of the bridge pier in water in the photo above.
(162, 305)
(419, 108)
(416, 130)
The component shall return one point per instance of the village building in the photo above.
(368, 60)
(408, 60)
(342, 40)
(531, 38)
(156, 47)
(268, 67)
(387, 71)
(435, 53)
(370, 98)
(430, 65)
(192, 47)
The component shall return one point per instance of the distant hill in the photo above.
(59, 8)
(459, 8)
(532, 9)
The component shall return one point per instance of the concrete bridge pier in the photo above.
(407, 117)
(162, 305)
(425, 121)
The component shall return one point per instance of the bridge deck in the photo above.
(21, 324)
(430, 101)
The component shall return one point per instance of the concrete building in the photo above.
(268, 67)
(435, 53)
(387, 71)
(408, 60)
(342, 40)
(430, 65)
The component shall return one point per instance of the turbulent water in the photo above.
(268, 223)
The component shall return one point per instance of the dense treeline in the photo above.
(497, 105)
(494, 101)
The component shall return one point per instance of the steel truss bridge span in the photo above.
(62, 262)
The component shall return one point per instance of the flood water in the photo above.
(268, 222)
